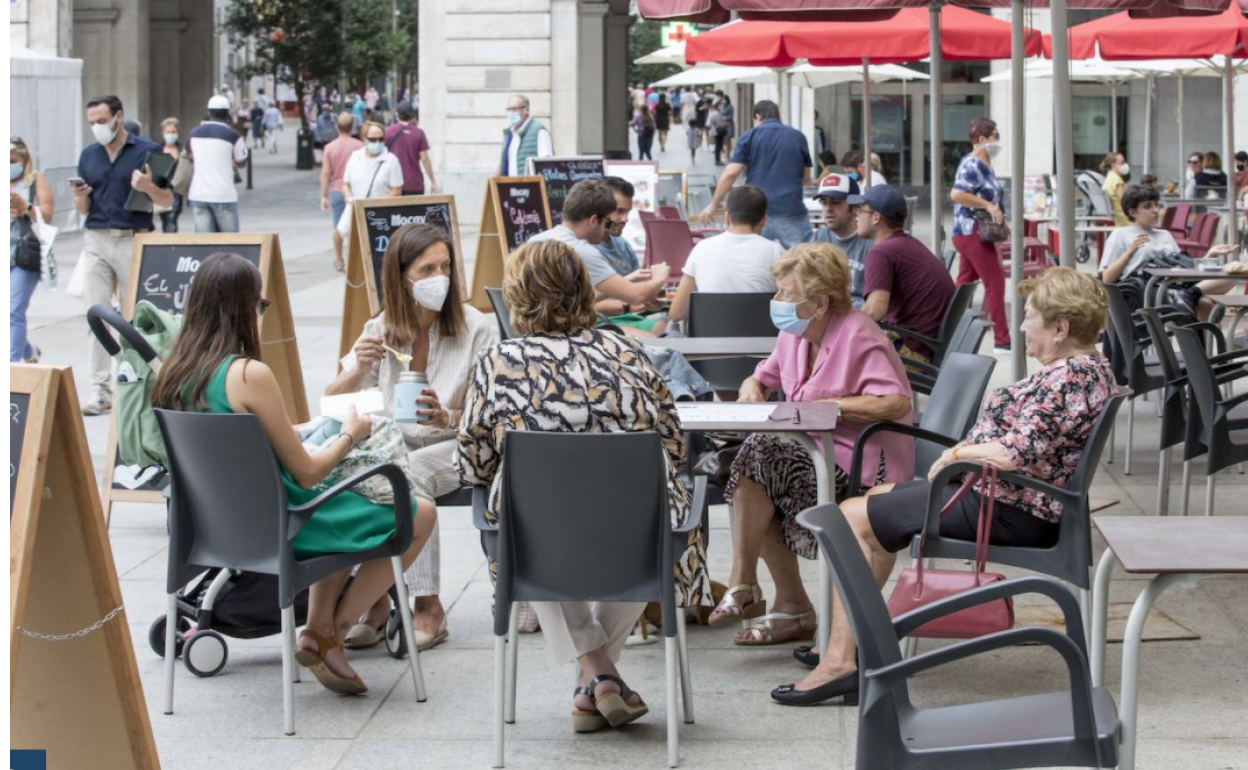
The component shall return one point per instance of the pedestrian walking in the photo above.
(171, 135)
(524, 138)
(29, 194)
(218, 149)
(107, 172)
(333, 166)
(372, 171)
(255, 117)
(643, 124)
(662, 120)
(272, 126)
(408, 143)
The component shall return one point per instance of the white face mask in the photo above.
(105, 133)
(992, 148)
(1124, 169)
(171, 138)
(430, 293)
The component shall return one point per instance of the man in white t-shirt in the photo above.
(737, 261)
(217, 149)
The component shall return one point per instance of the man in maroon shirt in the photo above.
(409, 144)
(905, 283)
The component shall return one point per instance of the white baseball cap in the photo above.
(218, 102)
(836, 186)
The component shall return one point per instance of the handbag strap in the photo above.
(962, 490)
(983, 530)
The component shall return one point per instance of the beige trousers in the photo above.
(573, 629)
(107, 270)
(433, 474)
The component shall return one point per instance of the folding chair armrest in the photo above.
(963, 466)
(1076, 663)
(480, 499)
(398, 483)
(908, 333)
(1219, 338)
(860, 445)
(905, 624)
(696, 507)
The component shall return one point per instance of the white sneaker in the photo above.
(100, 403)
(35, 355)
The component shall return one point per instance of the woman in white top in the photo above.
(424, 317)
(372, 171)
(1130, 248)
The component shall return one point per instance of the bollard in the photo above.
(249, 170)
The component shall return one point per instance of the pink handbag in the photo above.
(917, 587)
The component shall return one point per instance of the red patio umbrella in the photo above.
(1121, 37)
(718, 11)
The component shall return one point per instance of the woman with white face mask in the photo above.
(1116, 171)
(372, 171)
(977, 200)
(424, 317)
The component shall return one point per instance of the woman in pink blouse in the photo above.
(827, 351)
(1037, 427)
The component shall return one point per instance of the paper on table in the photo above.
(735, 412)
(366, 402)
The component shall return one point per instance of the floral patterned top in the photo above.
(592, 381)
(977, 178)
(1043, 422)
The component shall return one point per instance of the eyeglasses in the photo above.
(1194, 162)
(264, 305)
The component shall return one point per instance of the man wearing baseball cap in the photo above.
(840, 228)
(905, 284)
(218, 149)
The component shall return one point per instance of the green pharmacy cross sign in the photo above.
(674, 32)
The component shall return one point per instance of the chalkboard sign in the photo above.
(522, 210)
(164, 272)
(560, 174)
(19, 408)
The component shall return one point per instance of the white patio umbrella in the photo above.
(707, 74)
(672, 54)
(810, 76)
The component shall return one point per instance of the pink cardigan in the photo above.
(855, 358)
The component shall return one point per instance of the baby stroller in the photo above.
(1098, 205)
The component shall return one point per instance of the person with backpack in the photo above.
(30, 197)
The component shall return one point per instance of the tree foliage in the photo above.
(644, 38)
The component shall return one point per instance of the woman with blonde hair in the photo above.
(537, 381)
(372, 171)
(1115, 169)
(827, 351)
(1037, 426)
(29, 194)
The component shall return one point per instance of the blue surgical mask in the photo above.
(375, 148)
(784, 316)
(853, 175)
(15, 170)
(513, 118)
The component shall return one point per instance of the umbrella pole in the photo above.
(1182, 141)
(1018, 356)
(1148, 124)
(1064, 144)
(1113, 117)
(1228, 147)
(866, 123)
(782, 100)
(936, 99)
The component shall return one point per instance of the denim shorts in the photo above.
(337, 205)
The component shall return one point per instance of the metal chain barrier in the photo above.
(277, 342)
(96, 626)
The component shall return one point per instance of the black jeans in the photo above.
(721, 137)
(645, 143)
(169, 219)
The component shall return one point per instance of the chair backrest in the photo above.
(1198, 226)
(1080, 483)
(670, 241)
(958, 305)
(646, 216)
(1178, 223)
(584, 517)
(669, 212)
(1207, 233)
(1167, 217)
(730, 315)
(228, 505)
(1121, 328)
(1162, 346)
(969, 336)
(1200, 377)
(950, 254)
(500, 310)
(860, 594)
(953, 404)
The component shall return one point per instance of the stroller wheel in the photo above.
(156, 635)
(1083, 254)
(205, 653)
(395, 643)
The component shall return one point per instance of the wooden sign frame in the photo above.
(361, 297)
(62, 578)
(492, 246)
(532, 170)
(279, 347)
(684, 186)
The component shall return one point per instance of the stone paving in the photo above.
(1193, 708)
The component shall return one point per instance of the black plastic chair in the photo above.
(500, 310)
(228, 510)
(1070, 558)
(951, 412)
(1224, 435)
(1079, 727)
(939, 345)
(967, 338)
(728, 315)
(576, 528)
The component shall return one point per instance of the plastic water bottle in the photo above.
(408, 389)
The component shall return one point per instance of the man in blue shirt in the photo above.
(778, 162)
(109, 170)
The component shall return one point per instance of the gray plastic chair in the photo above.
(228, 509)
(1070, 558)
(951, 412)
(500, 309)
(946, 334)
(576, 528)
(1079, 727)
(729, 315)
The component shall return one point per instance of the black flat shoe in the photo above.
(806, 656)
(845, 688)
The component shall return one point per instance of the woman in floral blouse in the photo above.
(1037, 427)
(565, 375)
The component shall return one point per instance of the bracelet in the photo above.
(350, 439)
(953, 450)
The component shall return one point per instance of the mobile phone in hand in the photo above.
(77, 181)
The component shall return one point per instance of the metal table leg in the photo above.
(1129, 702)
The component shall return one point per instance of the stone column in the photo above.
(591, 78)
(181, 55)
(565, 75)
(615, 111)
(112, 38)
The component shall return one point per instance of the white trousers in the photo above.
(573, 629)
(107, 269)
(433, 474)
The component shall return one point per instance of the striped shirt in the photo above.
(216, 148)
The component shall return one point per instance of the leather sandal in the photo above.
(587, 721)
(315, 662)
(729, 612)
(764, 633)
(615, 707)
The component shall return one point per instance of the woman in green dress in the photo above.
(215, 367)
